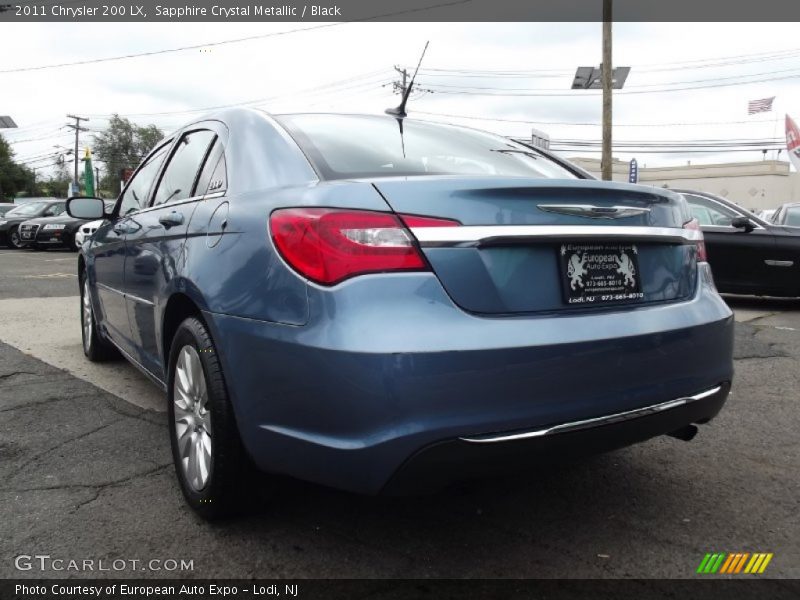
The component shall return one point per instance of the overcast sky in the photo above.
(348, 67)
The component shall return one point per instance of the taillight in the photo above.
(329, 245)
(694, 225)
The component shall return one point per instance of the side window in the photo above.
(702, 214)
(792, 217)
(135, 196)
(179, 177)
(214, 177)
(54, 210)
(712, 212)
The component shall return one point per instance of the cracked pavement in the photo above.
(85, 474)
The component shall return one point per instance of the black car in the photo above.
(10, 222)
(50, 231)
(787, 215)
(747, 254)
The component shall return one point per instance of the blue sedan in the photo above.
(386, 305)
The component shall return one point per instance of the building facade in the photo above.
(753, 185)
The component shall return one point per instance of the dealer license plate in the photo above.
(600, 273)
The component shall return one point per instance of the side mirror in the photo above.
(743, 223)
(81, 207)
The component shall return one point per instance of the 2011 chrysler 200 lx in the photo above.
(379, 304)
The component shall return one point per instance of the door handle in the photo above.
(779, 263)
(170, 220)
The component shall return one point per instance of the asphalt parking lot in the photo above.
(85, 473)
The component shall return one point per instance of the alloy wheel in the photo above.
(192, 418)
(15, 241)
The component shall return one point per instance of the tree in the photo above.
(123, 145)
(14, 177)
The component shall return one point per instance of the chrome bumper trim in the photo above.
(596, 421)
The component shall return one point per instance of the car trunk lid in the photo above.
(530, 245)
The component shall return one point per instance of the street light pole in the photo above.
(607, 76)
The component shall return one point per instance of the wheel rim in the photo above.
(86, 314)
(15, 239)
(192, 418)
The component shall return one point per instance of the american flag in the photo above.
(758, 106)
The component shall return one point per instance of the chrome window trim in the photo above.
(178, 203)
(475, 235)
(595, 422)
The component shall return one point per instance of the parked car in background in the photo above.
(747, 254)
(10, 222)
(787, 215)
(384, 308)
(5, 207)
(49, 232)
(86, 230)
(766, 214)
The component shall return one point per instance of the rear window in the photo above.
(352, 146)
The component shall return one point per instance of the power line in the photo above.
(590, 124)
(500, 92)
(639, 68)
(231, 41)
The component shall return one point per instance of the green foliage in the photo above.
(14, 177)
(123, 145)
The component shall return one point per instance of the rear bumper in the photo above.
(347, 401)
(495, 454)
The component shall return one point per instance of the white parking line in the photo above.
(51, 276)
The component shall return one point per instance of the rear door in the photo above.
(738, 258)
(154, 246)
(529, 245)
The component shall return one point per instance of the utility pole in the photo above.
(396, 85)
(607, 75)
(77, 127)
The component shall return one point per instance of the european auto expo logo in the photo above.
(734, 563)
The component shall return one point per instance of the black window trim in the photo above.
(151, 154)
(739, 211)
(192, 197)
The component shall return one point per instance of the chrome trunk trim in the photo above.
(594, 422)
(476, 235)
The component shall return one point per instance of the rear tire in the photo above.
(95, 347)
(210, 461)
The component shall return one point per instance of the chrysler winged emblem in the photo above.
(595, 212)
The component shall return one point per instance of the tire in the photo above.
(13, 239)
(95, 347)
(210, 462)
